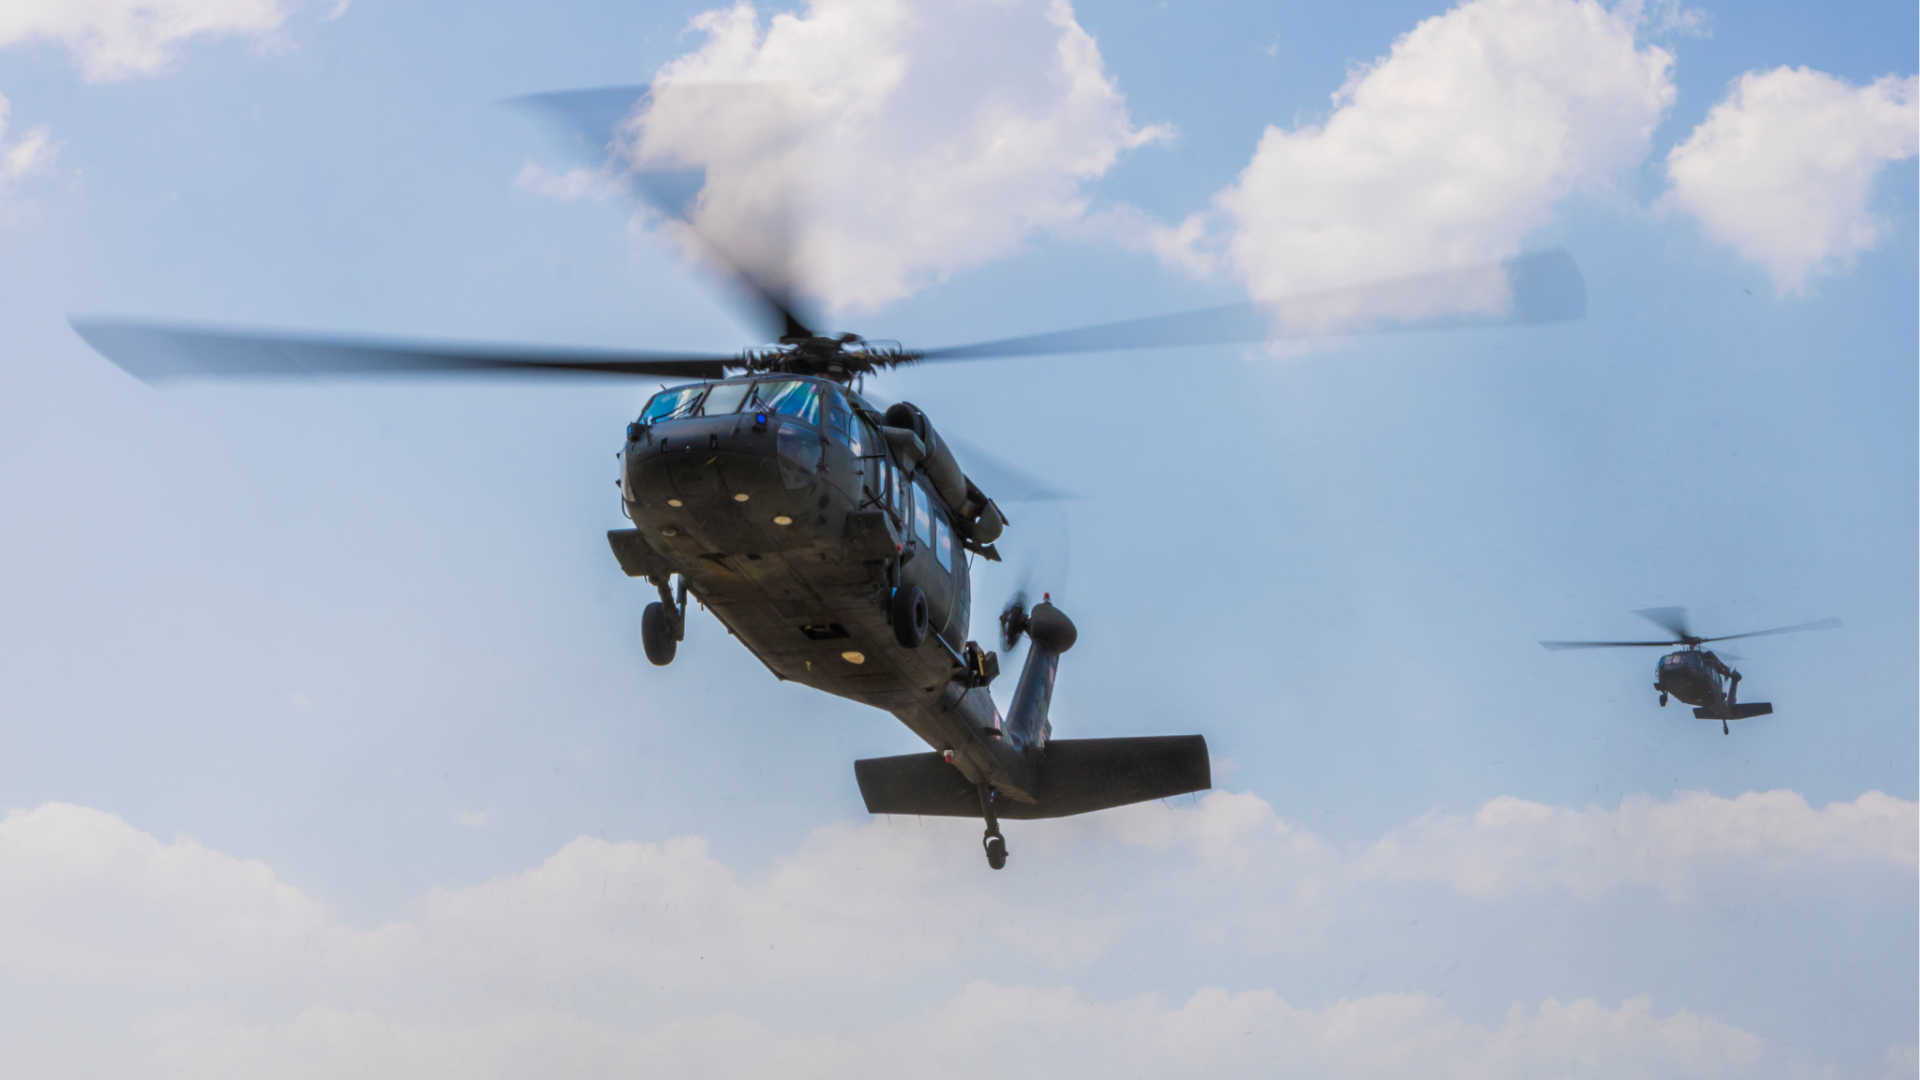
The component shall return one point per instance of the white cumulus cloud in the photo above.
(118, 39)
(910, 140)
(31, 152)
(1515, 846)
(871, 945)
(981, 1029)
(1782, 170)
(1452, 150)
(87, 897)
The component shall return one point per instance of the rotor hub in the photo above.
(842, 359)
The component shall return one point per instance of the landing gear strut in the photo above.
(1733, 698)
(995, 843)
(664, 624)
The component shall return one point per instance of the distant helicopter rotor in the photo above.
(1674, 621)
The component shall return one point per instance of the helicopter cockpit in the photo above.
(798, 398)
(1689, 660)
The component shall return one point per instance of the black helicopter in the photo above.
(831, 535)
(1694, 675)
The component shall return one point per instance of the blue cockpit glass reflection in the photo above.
(669, 404)
(790, 397)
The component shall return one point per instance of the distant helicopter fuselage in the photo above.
(1694, 676)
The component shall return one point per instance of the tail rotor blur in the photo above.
(1014, 620)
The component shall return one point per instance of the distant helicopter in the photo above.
(833, 534)
(1695, 675)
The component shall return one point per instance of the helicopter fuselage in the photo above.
(1692, 676)
(781, 507)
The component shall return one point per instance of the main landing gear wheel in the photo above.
(658, 634)
(995, 844)
(910, 617)
(1663, 699)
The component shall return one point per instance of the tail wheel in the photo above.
(658, 634)
(910, 617)
(996, 851)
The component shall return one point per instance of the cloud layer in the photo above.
(1782, 170)
(885, 145)
(119, 39)
(984, 1028)
(609, 955)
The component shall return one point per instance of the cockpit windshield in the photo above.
(790, 397)
(723, 398)
(797, 398)
(1680, 660)
(671, 403)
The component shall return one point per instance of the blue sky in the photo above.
(329, 735)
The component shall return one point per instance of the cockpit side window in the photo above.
(838, 416)
(671, 403)
(864, 439)
(723, 398)
(790, 397)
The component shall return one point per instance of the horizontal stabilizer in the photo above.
(1076, 776)
(1746, 710)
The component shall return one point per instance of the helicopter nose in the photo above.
(716, 468)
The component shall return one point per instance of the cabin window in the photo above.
(943, 543)
(922, 516)
(724, 398)
(669, 404)
(790, 397)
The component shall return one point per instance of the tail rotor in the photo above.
(1014, 620)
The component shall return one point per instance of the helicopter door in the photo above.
(932, 565)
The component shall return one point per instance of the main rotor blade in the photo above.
(1817, 624)
(157, 351)
(598, 116)
(1558, 645)
(1543, 287)
(1671, 619)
